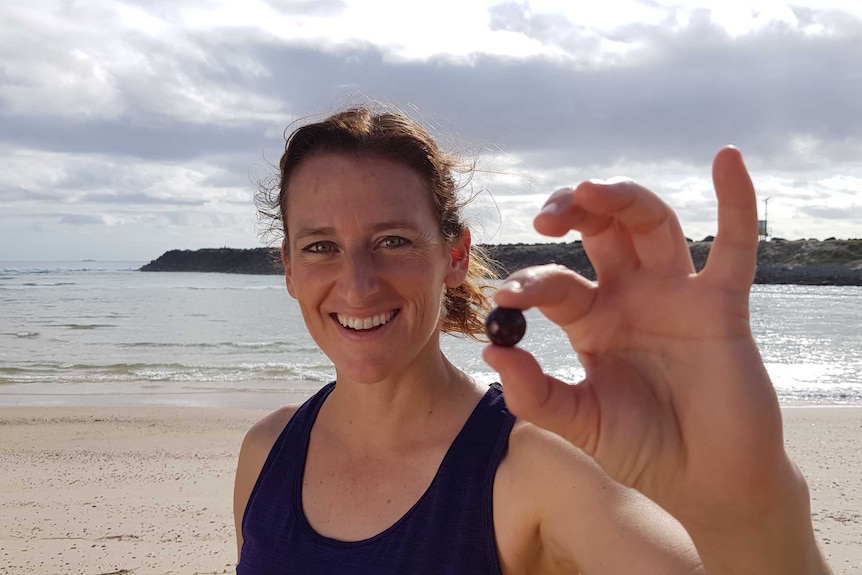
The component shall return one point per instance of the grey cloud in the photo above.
(81, 220)
(176, 218)
(137, 198)
(549, 28)
(12, 195)
(73, 188)
(834, 213)
(168, 139)
(760, 93)
(687, 92)
(681, 96)
(156, 105)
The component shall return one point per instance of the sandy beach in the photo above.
(102, 491)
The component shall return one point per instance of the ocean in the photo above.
(102, 333)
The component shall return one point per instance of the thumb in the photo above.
(570, 411)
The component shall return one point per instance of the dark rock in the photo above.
(512, 257)
(807, 262)
(221, 260)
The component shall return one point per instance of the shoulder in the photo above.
(258, 442)
(260, 438)
(541, 470)
(538, 459)
(556, 510)
(262, 435)
(256, 445)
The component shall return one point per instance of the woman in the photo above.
(667, 458)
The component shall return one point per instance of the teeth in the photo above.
(365, 323)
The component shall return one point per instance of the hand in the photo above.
(676, 401)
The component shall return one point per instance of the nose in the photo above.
(359, 276)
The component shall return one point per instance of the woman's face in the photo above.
(367, 263)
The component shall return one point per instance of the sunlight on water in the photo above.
(79, 332)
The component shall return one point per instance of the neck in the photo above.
(401, 409)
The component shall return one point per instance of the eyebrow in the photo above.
(306, 232)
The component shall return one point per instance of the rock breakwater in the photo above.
(805, 262)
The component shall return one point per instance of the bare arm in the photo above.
(557, 512)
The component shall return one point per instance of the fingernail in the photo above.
(610, 181)
(514, 286)
(551, 208)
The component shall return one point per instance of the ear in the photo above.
(285, 261)
(459, 262)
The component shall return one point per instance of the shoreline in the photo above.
(255, 395)
(147, 490)
(243, 400)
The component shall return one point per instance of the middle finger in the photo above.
(651, 226)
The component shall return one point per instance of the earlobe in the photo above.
(459, 261)
(285, 261)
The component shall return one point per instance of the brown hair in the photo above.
(392, 135)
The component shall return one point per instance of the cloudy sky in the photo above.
(131, 128)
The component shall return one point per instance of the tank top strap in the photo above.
(459, 502)
(292, 441)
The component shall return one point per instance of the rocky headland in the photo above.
(804, 262)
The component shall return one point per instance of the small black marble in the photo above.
(505, 326)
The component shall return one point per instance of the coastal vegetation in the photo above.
(804, 261)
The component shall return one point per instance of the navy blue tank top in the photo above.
(449, 531)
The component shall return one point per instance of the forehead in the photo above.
(330, 187)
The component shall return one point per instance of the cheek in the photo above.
(289, 284)
(307, 315)
(312, 320)
(303, 287)
(418, 277)
(429, 263)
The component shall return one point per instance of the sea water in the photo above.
(103, 333)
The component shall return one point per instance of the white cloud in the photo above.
(153, 118)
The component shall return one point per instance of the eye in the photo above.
(320, 248)
(393, 242)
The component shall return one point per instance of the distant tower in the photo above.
(763, 225)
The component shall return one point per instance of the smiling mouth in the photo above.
(365, 323)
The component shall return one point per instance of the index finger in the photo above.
(623, 224)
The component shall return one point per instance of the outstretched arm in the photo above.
(676, 401)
